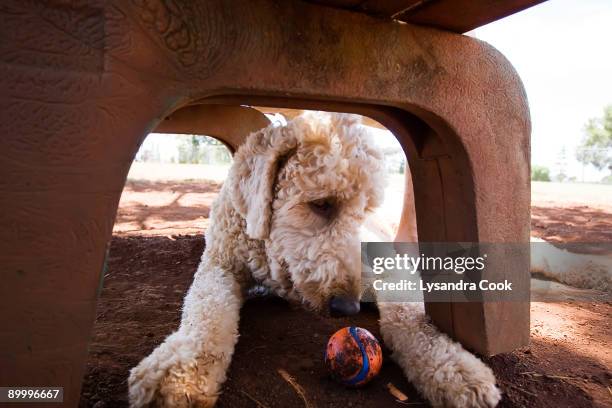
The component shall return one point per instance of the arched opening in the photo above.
(159, 237)
(230, 124)
(443, 204)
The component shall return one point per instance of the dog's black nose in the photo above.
(341, 306)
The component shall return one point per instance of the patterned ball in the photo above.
(353, 356)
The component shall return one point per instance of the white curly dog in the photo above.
(288, 218)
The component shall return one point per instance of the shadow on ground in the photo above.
(165, 208)
(572, 224)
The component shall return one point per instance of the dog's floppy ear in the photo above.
(253, 176)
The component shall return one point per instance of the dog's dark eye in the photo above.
(325, 207)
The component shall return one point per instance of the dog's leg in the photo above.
(188, 368)
(586, 271)
(442, 371)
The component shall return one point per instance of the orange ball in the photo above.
(353, 356)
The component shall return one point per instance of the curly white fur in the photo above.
(288, 218)
(578, 270)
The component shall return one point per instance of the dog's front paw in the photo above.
(462, 381)
(193, 384)
(443, 371)
(177, 374)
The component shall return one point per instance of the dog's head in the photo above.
(305, 189)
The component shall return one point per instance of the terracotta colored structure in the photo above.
(83, 83)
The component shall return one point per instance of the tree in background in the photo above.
(196, 149)
(596, 146)
(189, 149)
(540, 173)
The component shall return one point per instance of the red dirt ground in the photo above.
(567, 364)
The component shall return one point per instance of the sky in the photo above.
(562, 49)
